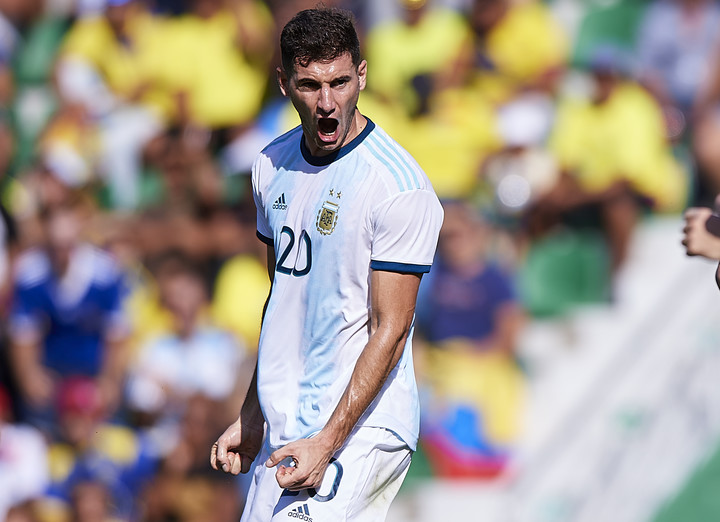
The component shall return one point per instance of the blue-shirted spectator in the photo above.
(471, 318)
(66, 317)
(468, 296)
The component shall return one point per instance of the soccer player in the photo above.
(351, 223)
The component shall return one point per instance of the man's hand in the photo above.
(236, 449)
(697, 240)
(311, 458)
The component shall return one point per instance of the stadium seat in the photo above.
(36, 57)
(563, 270)
(614, 25)
(32, 69)
(698, 499)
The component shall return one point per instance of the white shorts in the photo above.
(360, 483)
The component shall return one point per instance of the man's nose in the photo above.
(326, 102)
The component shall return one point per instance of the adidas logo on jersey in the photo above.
(280, 203)
(301, 513)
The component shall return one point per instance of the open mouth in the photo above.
(327, 127)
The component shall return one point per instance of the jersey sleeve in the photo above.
(264, 232)
(405, 232)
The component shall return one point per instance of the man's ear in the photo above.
(282, 80)
(362, 75)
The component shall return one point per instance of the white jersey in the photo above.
(332, 220)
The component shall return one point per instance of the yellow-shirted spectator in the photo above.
(424, 43)
(517, 45)
(241, 289)
(218, 57)
(621, 138)
(147, 317)
(126, 46)
(109, 65)
(614, 159)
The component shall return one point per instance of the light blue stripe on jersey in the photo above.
(391, 157)
(392, 170)
(398, 154)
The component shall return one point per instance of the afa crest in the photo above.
(327, 218)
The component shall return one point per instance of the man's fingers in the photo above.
(691, 221)
(213, 456)
(279, 455)
(218, 457)
(221, 457)
(235, 463)
(287, 481)
(691, 212)
(694, 212)
(296, 480)
(291, 478)
(689, 250)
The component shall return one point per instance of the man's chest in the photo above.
(317, 219)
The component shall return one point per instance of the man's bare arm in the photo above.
(393, 298)
(34, 380)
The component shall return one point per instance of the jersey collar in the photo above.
(321, 161)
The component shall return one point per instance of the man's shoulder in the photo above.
(283, 143)
(32, 268)
(99, 266)
(394, 165)
(282, 151)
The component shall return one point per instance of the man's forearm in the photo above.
(379, 357)
(32, 377)
(392, 311)
(115, 361)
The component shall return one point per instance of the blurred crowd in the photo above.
(131, 281)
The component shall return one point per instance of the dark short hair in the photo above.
(317, 35)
